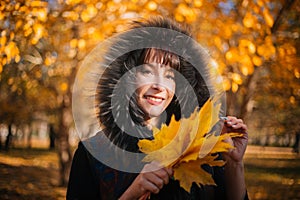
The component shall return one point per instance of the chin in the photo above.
(155, 112)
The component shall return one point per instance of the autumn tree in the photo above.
(17, 34)
(43, 43)
(26, 58)
(254, 44)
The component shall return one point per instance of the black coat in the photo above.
(92, 179)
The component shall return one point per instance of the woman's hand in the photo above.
(233, 124)
(234, 167)
(151, 180)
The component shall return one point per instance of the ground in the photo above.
(29, 174)
(271, 173)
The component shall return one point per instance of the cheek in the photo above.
(138, 92)
(172, 89)
(141, 90)
(138, 85)
(171, 93)
(141, 85)
(171, 96)
(139, 81)
(170, 86)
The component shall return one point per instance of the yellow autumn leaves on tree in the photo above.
(188, 144)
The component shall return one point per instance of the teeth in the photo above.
(154, 99)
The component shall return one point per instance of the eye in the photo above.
(170, 75)
(146, 71)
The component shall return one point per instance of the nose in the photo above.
(157, 86)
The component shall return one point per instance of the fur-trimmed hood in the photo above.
(118, 112)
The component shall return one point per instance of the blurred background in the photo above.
(255, 46)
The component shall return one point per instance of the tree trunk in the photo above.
(296, 146)
(231, 102)
(248, 93)
(8, 138)
(29, 137)
(52, 136)
(63, 146)
(285, 8)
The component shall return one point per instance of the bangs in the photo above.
(160, 56)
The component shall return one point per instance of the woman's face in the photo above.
(155, 85)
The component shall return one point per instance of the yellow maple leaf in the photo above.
(187, 144)
(189, 172)
(162, 137)
(169, 152)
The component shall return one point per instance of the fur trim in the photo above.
(118, 111)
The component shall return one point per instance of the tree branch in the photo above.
(284, 8)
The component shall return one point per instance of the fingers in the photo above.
(170, 171)
(154, 177)
(164, 174)
(153, 183)
(235, 124)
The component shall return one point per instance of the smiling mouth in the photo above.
(154, 100)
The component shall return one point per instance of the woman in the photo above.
(141, 89)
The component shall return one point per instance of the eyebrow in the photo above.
(154, 64)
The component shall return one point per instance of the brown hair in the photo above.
(161, 56)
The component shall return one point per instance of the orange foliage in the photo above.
(239, 36)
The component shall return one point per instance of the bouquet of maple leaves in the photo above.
(187, 144)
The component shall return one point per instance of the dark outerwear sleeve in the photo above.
(220, 190)
(82, 184)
